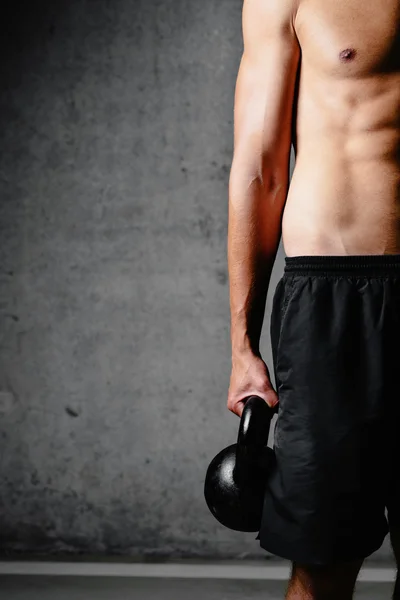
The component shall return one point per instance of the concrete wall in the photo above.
(116, 138)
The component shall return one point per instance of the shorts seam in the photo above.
(288, 294)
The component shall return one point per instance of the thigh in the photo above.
(329, 370)
(391, 467)
(395, 541)
(391, 437)
(394, 529)
(320, 503)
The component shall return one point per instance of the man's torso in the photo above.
(344, 194)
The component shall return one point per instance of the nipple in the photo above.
(347, 54)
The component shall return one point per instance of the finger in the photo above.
(239, 408)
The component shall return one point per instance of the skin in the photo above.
(325, 77)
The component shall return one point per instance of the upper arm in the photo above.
(265, 86)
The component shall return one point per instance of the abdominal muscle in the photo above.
(344, 195)
(334, 207)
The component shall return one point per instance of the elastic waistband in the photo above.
(378, 265)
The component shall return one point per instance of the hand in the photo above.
(249, 377)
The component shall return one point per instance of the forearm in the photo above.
(254, 230)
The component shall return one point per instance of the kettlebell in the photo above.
(236, 477)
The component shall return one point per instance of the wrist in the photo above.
(245, 348)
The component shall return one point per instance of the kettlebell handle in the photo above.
(255, 422)
(253, 435)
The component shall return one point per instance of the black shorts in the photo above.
(335, 335)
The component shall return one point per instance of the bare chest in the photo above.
(350, 38)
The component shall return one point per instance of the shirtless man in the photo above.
(324, 75)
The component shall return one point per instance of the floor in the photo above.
(178, 580)
(39, 587)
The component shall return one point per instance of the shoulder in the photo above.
(271, 14)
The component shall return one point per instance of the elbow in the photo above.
(266, 175)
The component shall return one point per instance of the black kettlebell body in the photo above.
(236, 477)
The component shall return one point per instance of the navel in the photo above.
(347, 54)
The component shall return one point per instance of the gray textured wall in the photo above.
(116, 138)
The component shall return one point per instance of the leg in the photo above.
(324, 501)
(332, 582)
(395, 541)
